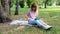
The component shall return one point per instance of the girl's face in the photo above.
(34, 9)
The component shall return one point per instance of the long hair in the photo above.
(34, 6)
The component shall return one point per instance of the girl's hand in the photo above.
(38, 16)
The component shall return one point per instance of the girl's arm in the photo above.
(27, 16)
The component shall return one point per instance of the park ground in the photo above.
(50, 15)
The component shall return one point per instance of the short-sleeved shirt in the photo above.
(32, 14)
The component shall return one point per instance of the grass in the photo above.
(50, 15)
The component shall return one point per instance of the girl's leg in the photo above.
(40, 22)
(43, 24)
(32, 22)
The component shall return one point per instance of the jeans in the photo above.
(36, 22)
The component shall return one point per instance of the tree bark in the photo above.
(4, 11)
(10, 5)
(17, 7)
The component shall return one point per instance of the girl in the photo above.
(32, 16)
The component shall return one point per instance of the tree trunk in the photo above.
(10, 5)
(17, 7)
(4, 11)
(46, 3)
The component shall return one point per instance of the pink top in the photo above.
(32, 15)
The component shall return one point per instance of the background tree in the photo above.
(17, 7)
(10, 5)
(21, 3)
(14, 2)
(46, 1)
(29, 3)
(58, 2)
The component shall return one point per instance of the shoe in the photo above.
(47, 27)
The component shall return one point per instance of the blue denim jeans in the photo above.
(36, 22)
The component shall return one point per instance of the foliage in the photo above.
(29, 3)
(21, 3)
(13, 1)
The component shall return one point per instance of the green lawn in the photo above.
(50, 15)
